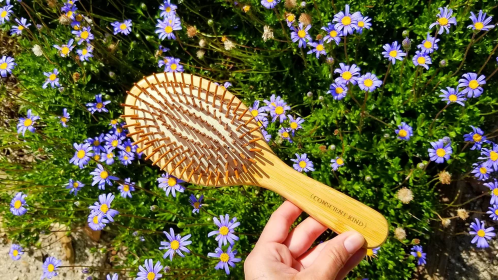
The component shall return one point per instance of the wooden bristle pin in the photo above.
(185, 132)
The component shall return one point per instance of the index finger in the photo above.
(277, 228)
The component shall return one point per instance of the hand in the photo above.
(280, 254)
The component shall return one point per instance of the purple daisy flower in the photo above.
(472, 84)
(84, 35)
(491, 156)
(422, 59)
(226, 229)
(493, 186)
(404, 131)
(70, 11)
(164, 62)
(98, 106)
(52, 78)
(481, 233)
(128, 146)
(113, 141)
(480, 22)
(82, 155)
(166, 27)
(64, 118)
(122, 27)
(290, 19)
(176, 244)
(22, 24)
(196, 203)
(85, 53)
(284, 133)
(476, 136)
(481, 171)
(295, 124)
(346, 22)
(336, 163)
(429, 45)
(302, 163)
(444, 20)
(6, 65)
(393, 52)
(149, 271)
(16, 252)
(349, 74)
(318, 48)
(369, 82)
(371, 253)
(256, 111)
(64, 50)
(171, 184)
(226, 258)
(115, 276)
(418, 253)
(18, 204)
(74, 186)
(173, 65)
(362, 22)
(167, 9)
(493, 212)
(97, 221)
(108, 156)
(5, 12)
(452, 95)
(269, 4)
(262, 122)
(338, 90)
(266, 135)
(103, 206)
(273, 100)
(127, 188)
(278, 110)
(301, 34)
(441, 151)
(332, 34)
(27, 123)
(102, 177)
(50, 267)
(96, 143)
(126, 158)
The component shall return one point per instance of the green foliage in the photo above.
(363, 134)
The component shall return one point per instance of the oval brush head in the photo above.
(193, 129)
(200, 132)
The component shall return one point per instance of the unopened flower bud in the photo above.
(180, 225)
(420, 165)
(77, 203)
(143, 6)
(330, 60)
(443, 63)
(309, 94)
(76, 76)
(303, 4)
(153, 208)
(407, 43)
(368, 178)
(387, 135)
(202, 43)
(320, 98)
(112, 74)
(332, 147)
(210, 22)
(405, 33)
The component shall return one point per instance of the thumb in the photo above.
(333, 259)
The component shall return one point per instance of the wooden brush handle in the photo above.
(330, 207)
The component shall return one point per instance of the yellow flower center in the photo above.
(279, 110)
(52, 77)
(173, 66)
(452, 98)
(246, 8)
(477, 137)
(427, 45)
(493, 155)
(3, 66)
(270, 1)
(171, 181)
(104, 208)
(96, 157)
(63, 119)
(69, 14)
(125, 157)
(421, 60)
(319, 47)
(443, 21)
(104, 174)
(75, 185)
(28, 122)
(17, 204)
(128, 149)
(223, 38)
(50, 268)
(95, 219)
(473, 84)
(419, 254)
(126, 188)
(291, 17)
(338, 90)
(293, 125)
(64, 51)
(3, 14)
(114, 143)
(99, 105)
(15, 253)
(361, 24)
(20, 27)
(168, 9)
(260, 123)
(119, 129)
(339, 161)
(84, 35)
(175, 245)
(273, 103)
(110, 155)
(168, 29)
(151, 276)
(81, 154)
(370, 252)
(483, 170)
(368, 82)
(84, 52)
(285, 134)
(196, 205)
(346, 75)
(402, 133)
(440, 152)
(393, 53)
(79, 17)
(76, 27)
(481, 233)
(96, 143)
(495, 191)
(302, 164)
(346, 20)
(301, 33)
(254, 113)
(333, 33)
(478, 25)
(224, 230)
(122, 26)
(224, 257)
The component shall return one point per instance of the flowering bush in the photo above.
(381, 101)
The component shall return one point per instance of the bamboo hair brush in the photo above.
(201, 133)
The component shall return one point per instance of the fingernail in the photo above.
(354, 242)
